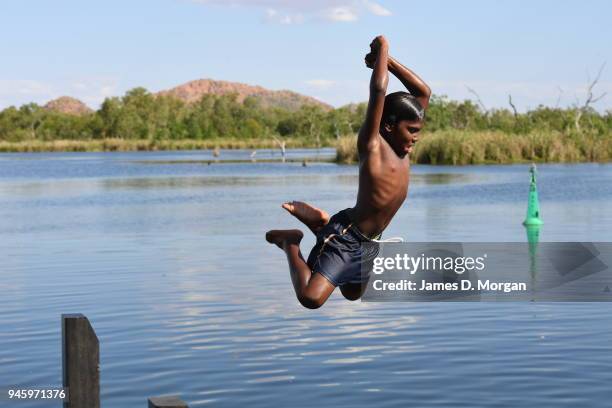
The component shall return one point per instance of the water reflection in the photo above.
(169, 263)
(442, 178)
(181, 182)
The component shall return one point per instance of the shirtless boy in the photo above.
(385, 140)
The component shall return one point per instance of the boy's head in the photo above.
(402, 120)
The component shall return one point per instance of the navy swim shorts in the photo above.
(337, 255)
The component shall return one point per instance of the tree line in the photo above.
(141, 115)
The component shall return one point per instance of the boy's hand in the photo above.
(370, 60)
(375, 46)
(377, 43)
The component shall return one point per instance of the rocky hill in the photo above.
(69, 105)
(192, 91)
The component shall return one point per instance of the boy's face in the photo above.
(404, 134)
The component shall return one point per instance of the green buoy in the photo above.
(533, 206)
(533, 238)
(533, 223)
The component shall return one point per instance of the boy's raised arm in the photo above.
(368, 135)
(415, 85)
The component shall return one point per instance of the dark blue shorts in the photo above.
(337, 255)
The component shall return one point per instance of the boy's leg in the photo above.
(314, 218)
(312, 290)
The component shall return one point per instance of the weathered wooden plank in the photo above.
(168, 401)
(80, 362)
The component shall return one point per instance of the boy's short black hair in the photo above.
(401, 106)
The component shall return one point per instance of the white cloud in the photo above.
(336, 92)
(274, 16)
(22, 91)
(341, 14)
(91, 91)
(23, 87)
(97, 91)
(376, 8)
(299, 11)
(321, 83)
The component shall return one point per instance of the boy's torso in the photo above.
(383, 187)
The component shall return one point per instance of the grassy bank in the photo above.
(489, 147)
(439, 147)
(110, 145)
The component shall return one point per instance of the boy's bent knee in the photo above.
(310, 302)
(316, 292)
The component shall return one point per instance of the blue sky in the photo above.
(539, 51)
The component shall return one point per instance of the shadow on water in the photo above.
(217, 181)
(441, 178)
(192, 182)
(305, 161)
(181, 182)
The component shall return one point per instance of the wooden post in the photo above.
(80, 362)
(169, 401)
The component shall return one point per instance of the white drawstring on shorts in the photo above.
(390, 239)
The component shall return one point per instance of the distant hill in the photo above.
(193, 91)
(68, 105)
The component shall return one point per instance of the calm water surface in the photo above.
(169, 263)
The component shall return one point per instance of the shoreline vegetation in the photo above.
(129, 145)
(447, 147)
(450, 147)
(455, 133)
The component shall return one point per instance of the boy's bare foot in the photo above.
(281, 238)
(313, 217)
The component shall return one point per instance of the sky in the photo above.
(539, 51)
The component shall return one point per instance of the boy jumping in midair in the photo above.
(386, 138)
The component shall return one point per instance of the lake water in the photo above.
(169, 263)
